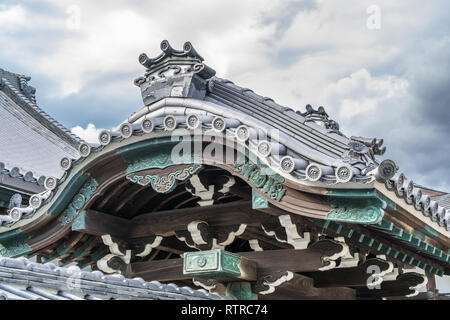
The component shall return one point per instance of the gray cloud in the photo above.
(390, 83)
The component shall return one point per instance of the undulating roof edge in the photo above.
(311, 149)
(22, 95)
(22, 279)
(17, 86)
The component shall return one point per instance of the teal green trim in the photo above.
(356, 194)
(361, 206)
(384, 225)
(80, 253)
(384, 248)
(361, 215)
(80, 222)
(62, 250)
(9, 234)
(419, 234)
(66, 195)
(5, 197)
(135, 150)
(258, 202)
(263, 178)
(78, 202)
(100, 253)
(417, 239)
(241, 291)
(15, 246)
(428, 231)
(46, 258)
(167, 182)
(216, 263)
(157, 156)
(156, 153)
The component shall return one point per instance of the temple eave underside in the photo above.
(212, 186)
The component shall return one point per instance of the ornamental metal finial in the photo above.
(174, 73)
(319, 116)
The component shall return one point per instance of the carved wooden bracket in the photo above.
(164, 180)
(211, 285)
(285, 231)
(349, 260)
(198, 189)
(405, 284)
(198, 186)
(201, 236)
(122, 252)
(267, 283)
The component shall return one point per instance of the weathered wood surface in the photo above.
(302, 288)
(267, 262)
(167, 222)
(399, 287)
(350, 277)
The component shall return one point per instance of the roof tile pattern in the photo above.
(27, 133)
(21, 279)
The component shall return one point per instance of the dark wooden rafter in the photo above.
(264, 241)
(374, 234)
(395, 244)
(184, 202)
(302, 287)
(145, 196)
(166, 222)
(131, 192)
(409, 225)
(366, 273)
(405, 285)
(111, 193)
(67, 247)
(84, 249)
(170, 198)
(268, 262)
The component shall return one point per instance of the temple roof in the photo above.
(305, 147)
(306, 150)
(21, 279)
(443, 200)
(31, 142)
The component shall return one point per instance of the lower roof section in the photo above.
(21, 279)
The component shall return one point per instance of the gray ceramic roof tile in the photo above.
(27, 133)
(443, 200)
(22, 279)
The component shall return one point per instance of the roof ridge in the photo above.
(19, 93)
(80, 278)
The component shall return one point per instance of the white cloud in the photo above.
(110, 38)
(90, 134)
(325, 56)
(12, 17)
(360, 92)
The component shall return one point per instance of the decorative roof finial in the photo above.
(184, 70)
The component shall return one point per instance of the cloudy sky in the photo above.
(380, 69)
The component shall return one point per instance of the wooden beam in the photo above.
(406, 284)
(222, 215)
(267, 262)
(431, 285)
(157, 270)
(219, 264)
(99, 223)
(167, 222)
(301, 287)
(358, 276)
